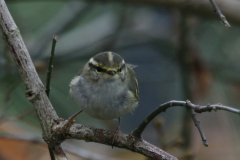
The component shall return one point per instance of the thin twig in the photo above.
(49, 74)
(199, 109)
(222, 17)
(197, 124)
(50, 64)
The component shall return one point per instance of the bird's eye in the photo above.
(99, 69)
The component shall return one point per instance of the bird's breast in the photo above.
(102, 99)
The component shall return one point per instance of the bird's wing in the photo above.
(133, 84)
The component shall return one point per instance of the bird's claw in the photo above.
(115, 135)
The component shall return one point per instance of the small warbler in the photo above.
(106, 88)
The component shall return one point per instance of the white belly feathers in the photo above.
(103, 100)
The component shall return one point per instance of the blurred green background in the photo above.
(180, 55)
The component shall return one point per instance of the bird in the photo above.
(106, 88)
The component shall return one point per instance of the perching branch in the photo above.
(92, 134)
(199, 109)
(222, 17)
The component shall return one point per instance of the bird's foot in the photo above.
(115, 135)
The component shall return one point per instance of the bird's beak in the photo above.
(111, 73)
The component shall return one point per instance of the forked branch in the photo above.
(187, 104)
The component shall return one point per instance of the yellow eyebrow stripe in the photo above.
(93, 62)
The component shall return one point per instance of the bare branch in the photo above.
(197, 124)
(50, 64)
(222, 17)
(92, 134)
(199, 109)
